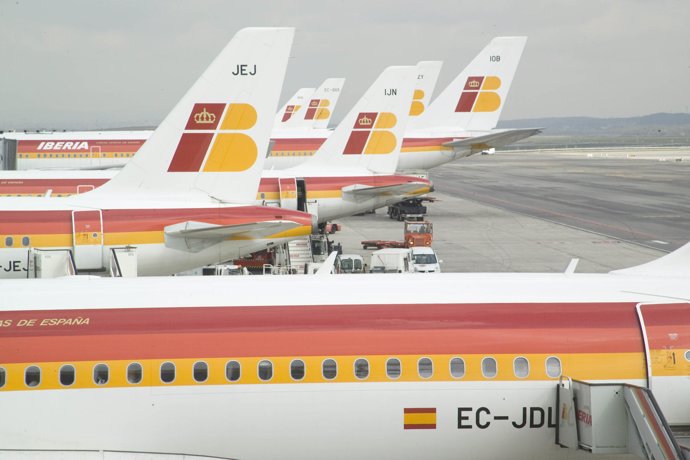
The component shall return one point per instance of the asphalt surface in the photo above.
(536, 211)
(645, 201)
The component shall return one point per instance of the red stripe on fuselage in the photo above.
(308, 330)
(426, 141)
(314, 184)
(141, 220)
(297, 144)
(312, 144)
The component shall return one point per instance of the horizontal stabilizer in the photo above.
(364, 192)
(470, 146)
(676, 263)
(194, 236)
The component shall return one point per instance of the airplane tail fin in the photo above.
(214, 141)
(322, 103)
(474, 100)
(427, 76)
(293, 109)
(370, 135)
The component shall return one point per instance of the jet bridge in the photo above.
(614, 419)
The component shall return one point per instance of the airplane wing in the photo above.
(364, 192)
(194, 236)
(466, 147)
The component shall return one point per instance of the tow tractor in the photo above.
(410, 209)
(416, 234)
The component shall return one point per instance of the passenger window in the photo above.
(200, 371)
(297, 369)
(9, 241)
(521, 367)
(25, 241)
(457, 368)
(134, 373)
(329, 368)
(687, 355)
(167, 372)
(67, 375)
(425, 368)
(265, 370)
(232, 371)
(361, 368)
(32, 376)
(393, 368)
(489, 367)
(553, 367)
(3, 377)
(100, 374)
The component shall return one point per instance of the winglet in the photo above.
(370, 135)
(676, 263)
(474, 100)
(328, 265)
(213, 142)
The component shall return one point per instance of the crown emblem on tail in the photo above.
(204, 118)
(473, 84)
(365, 121)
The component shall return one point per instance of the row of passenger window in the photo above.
(9, 241)
(298, 370)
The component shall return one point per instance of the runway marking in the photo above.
(659, 242)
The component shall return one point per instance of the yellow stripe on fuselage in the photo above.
(581, 366)
(135, 238)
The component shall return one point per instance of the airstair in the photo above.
(53, 263)
(299, 253)
(614, 419)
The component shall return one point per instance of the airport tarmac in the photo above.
(534, 211)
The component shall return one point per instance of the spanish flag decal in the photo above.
(420, 418)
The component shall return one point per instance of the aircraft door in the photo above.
(666, 336)
(95, 155)
(87, 239)
(288, 193)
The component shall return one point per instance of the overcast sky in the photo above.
(97, 64)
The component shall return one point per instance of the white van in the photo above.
(392, 260)
(351, 263)
(425, 260)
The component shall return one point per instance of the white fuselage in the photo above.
(475, 417)
(49, 223)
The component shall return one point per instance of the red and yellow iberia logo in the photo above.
(290, 110)
(479, 96)
(318, 109)
(231, 151)
(370, 134)
(417, 107)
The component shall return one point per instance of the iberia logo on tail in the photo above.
(216, 123)
(417, 107)
(479, 95)
(290, 110)
(370, 134)
(318, 109)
